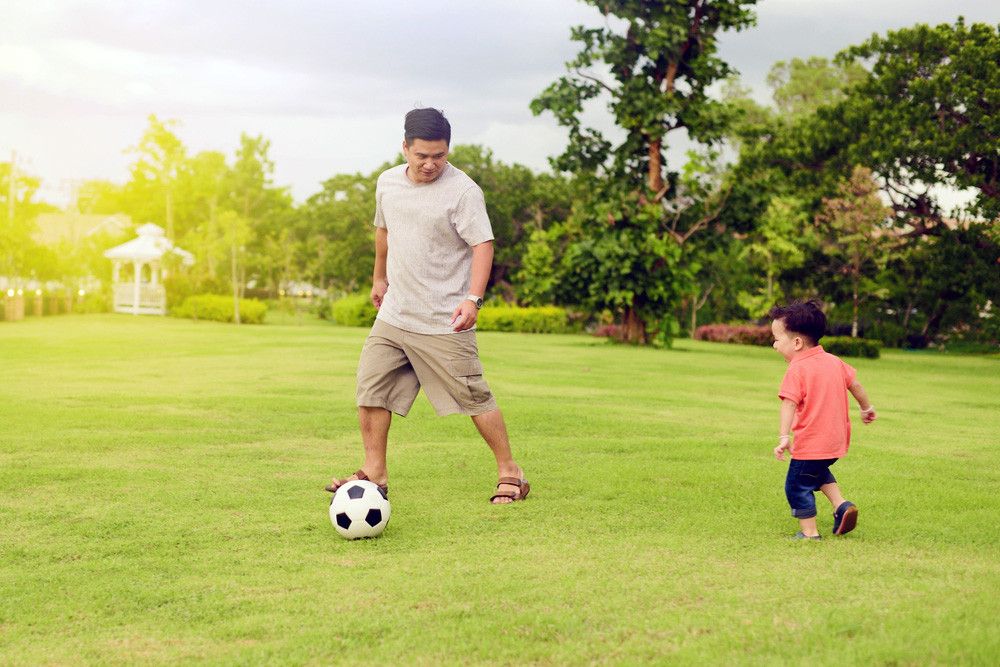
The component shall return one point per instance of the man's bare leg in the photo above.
(374, 423)
(491, 426)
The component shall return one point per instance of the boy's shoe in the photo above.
(845, 518)
(802, 536)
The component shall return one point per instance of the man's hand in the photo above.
(779, 451)
(465, 315)
(868, 416)
(378, 292)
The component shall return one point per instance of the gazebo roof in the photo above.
(150, 244)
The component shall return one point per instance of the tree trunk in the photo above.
(655, 166)
(170, 214)
(854, 320)
(211, 238)
(634, 328)
(236, 285)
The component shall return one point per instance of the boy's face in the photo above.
(785, 341)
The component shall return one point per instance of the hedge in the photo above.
(845, 346)
(536, 319)
(356, 310)
(744, 334)
(219, 308)
(353, 310)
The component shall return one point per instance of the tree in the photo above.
(338, 232)
(777, 244)
(855, 233)
(18, 210)
(927, 114)
(154, 175)
(252, 195)
(203, 192)
(802, 86)
(655, 79)
(237, 233)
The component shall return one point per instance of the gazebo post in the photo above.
(136, 289)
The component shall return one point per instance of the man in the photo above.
(433, 256)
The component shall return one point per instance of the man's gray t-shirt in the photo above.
(432, 228)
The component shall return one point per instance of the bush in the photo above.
(356, 310)
(353, 310)
(845, 346)
(743, 334)
(219, 308)
(93, 302)
(535, 319)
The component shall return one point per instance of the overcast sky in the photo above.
(328, 81)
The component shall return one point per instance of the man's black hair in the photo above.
(427, 124)
(802, 317)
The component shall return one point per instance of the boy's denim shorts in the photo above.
(804, 478)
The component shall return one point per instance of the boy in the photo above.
(813, 396)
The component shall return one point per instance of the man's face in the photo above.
(785, 342)
(425, 159)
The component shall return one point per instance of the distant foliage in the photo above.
(218, 308)
(845, 346)
(743, 334)
(93, 302)
(353, 310)
(535, 319)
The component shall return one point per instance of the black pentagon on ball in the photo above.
(384, 492)
(343, 520)
(355, 492)
(374, 517)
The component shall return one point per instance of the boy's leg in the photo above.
(808, 527)
(800, 483)
(491, 426)
(832, 493)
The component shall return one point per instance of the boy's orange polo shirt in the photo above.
(817, 381)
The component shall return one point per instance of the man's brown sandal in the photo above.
(522, 490)
(384, 488)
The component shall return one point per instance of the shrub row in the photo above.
(353, 310)
(356, 310)
(744, 334)
(845, 346)
(219, 308)
(536, 319)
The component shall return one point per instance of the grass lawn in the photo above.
(161, 502)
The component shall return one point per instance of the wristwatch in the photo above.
(478, 300)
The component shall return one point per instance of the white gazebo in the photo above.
(144, 293)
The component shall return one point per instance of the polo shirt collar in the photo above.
(805, 354)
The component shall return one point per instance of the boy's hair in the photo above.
(802, 317)
(427, 124)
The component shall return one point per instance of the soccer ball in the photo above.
(359, 509)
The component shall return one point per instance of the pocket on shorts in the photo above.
(470, 372)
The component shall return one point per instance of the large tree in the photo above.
(152, 189)
(654, 76)
(928, 114)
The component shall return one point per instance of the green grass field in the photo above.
(161, 502)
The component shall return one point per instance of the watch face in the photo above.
(479, 303)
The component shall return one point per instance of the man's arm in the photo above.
(380, 282)
(785, 428)
(859, 394)
(466, 313)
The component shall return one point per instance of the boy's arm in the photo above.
(785, 429)
(859, 394)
